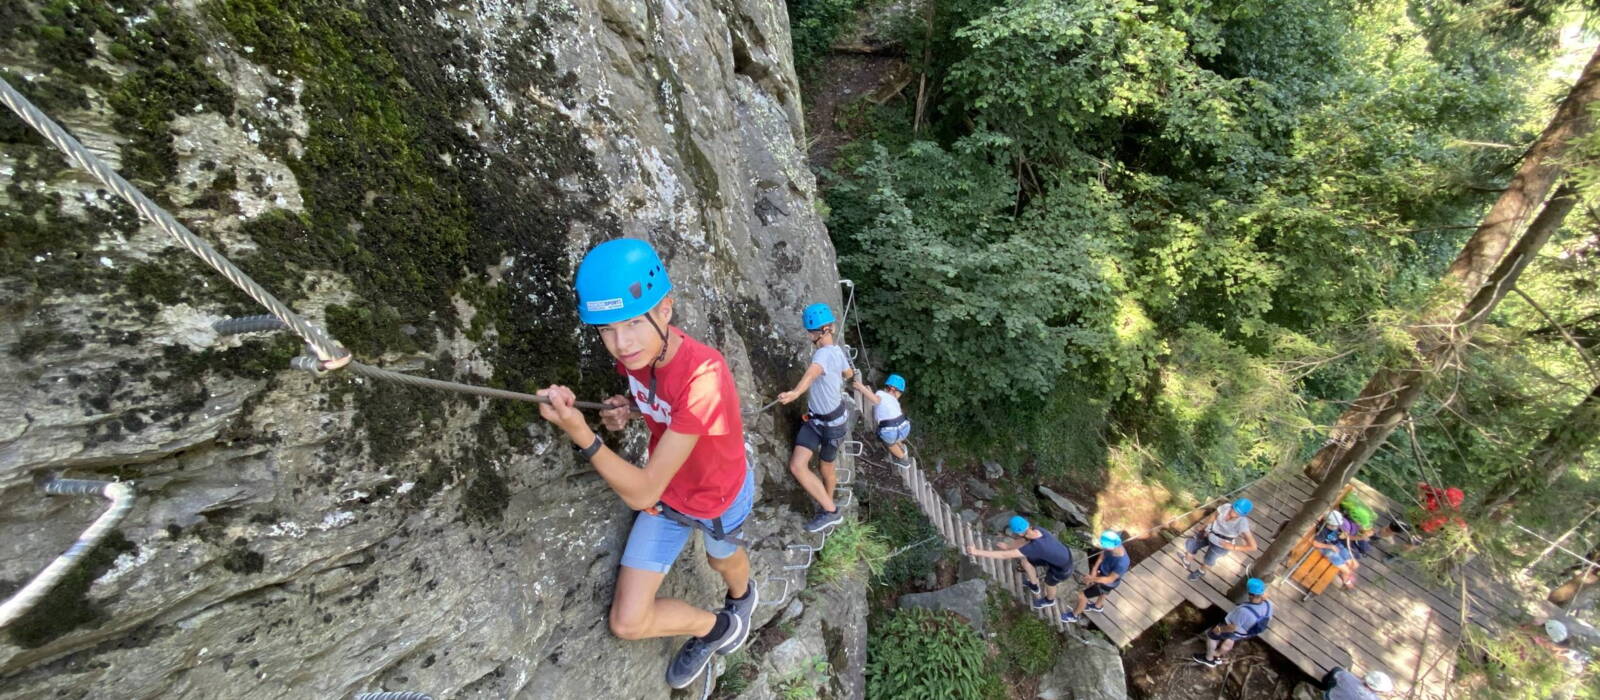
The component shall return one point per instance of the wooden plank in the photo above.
(1281, 617)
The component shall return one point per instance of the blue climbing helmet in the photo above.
(895, 381)
(618, 280)
(1110, 539)
(1018, 524)
(816, 316)
(1243, 506)
(1255, 586)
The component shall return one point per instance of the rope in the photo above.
(121, 496)
(249, 324)
(329, 352)
(1203, 505)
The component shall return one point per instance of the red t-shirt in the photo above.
(695, 395)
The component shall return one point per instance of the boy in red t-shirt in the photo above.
(697, 476)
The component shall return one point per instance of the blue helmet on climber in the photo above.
(1243, 506)
(618, 280)
(1255, 586)
(816, 316)
(895, 381)
(1018, 525)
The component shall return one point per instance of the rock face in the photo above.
(420, 177)
(967, 599)
(1064, 508)
(1088, 670)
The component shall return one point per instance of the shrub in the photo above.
(852, 545)
(902, 525)
(923, 654)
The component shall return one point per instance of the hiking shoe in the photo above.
(1094, 608)
(1041, 603)
(823, 521)
(696, 653)
(1196, 575)
(1069, 618)
(1031, 586)
(743, 609)
(1203, 661)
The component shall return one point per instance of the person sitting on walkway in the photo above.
(1339, 684)
(1227, 530)
(893, 426)
(1106, 570)
(1334, 541)
(697, 477)
(824, 424)
(1246, 621)
(1045, 561)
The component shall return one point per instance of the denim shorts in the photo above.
(895, 433)
(655, 542)
(1338, 555)
(1213, 552)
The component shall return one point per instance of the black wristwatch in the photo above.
(590, 451)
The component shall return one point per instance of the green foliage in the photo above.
(919, 654)
(854, 547)
(1516, 667)
(902, 526)
(1028, 646)
(737, 671)
(803, 683)
(814, 25)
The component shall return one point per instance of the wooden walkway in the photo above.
(1396, 620)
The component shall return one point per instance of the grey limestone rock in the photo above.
(426, 198)
(1065, 508)
(967, 599)
(1089, 669)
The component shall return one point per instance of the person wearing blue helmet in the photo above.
(1245, 621)
(1106, 570)
(893, 426)
(1227, 530)
(1045, 561)
(824, 426)
(697, 476)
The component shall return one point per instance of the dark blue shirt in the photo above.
(1047, 551)
(1112, 564)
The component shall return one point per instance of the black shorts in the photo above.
(811, 437)
(1097, 590)
(1052, 575)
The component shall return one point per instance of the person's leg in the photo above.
(1083, 602)
(1190, 546)
(830, 479)
(1049, 590)
(636, 612)
(1223, 648)
(1211, 647)
(799, 466)
(735, 571)
(898, 450)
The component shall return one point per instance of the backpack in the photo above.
(1261, 623)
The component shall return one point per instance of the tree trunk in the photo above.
(1560, 448)
(1391, 392)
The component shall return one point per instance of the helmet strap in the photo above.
(665, 341)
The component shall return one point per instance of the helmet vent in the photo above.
(635, 290)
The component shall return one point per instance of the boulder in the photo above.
(992, 470)
(980, 490)
(952, 496)
(969, 599)
(1063, 508)
(1090, 669)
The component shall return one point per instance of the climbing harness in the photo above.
(121, 496)
(714, 530)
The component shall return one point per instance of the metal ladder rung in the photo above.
(848, 500)
(852, 448)
(782, 597)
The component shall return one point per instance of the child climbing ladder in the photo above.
(826, 414)
(697, 476)
(892, 425)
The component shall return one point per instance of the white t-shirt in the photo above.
(1224, 531)
(888, 407)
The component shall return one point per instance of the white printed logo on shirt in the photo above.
(660, 411)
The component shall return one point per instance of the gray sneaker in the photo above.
(696, 653)
(824, 520)
(743, 609)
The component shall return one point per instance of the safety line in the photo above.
(121, 497)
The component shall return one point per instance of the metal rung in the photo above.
(848, 500)
(843, 481)
(811, 553)
(851, 448)
(782, 597)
